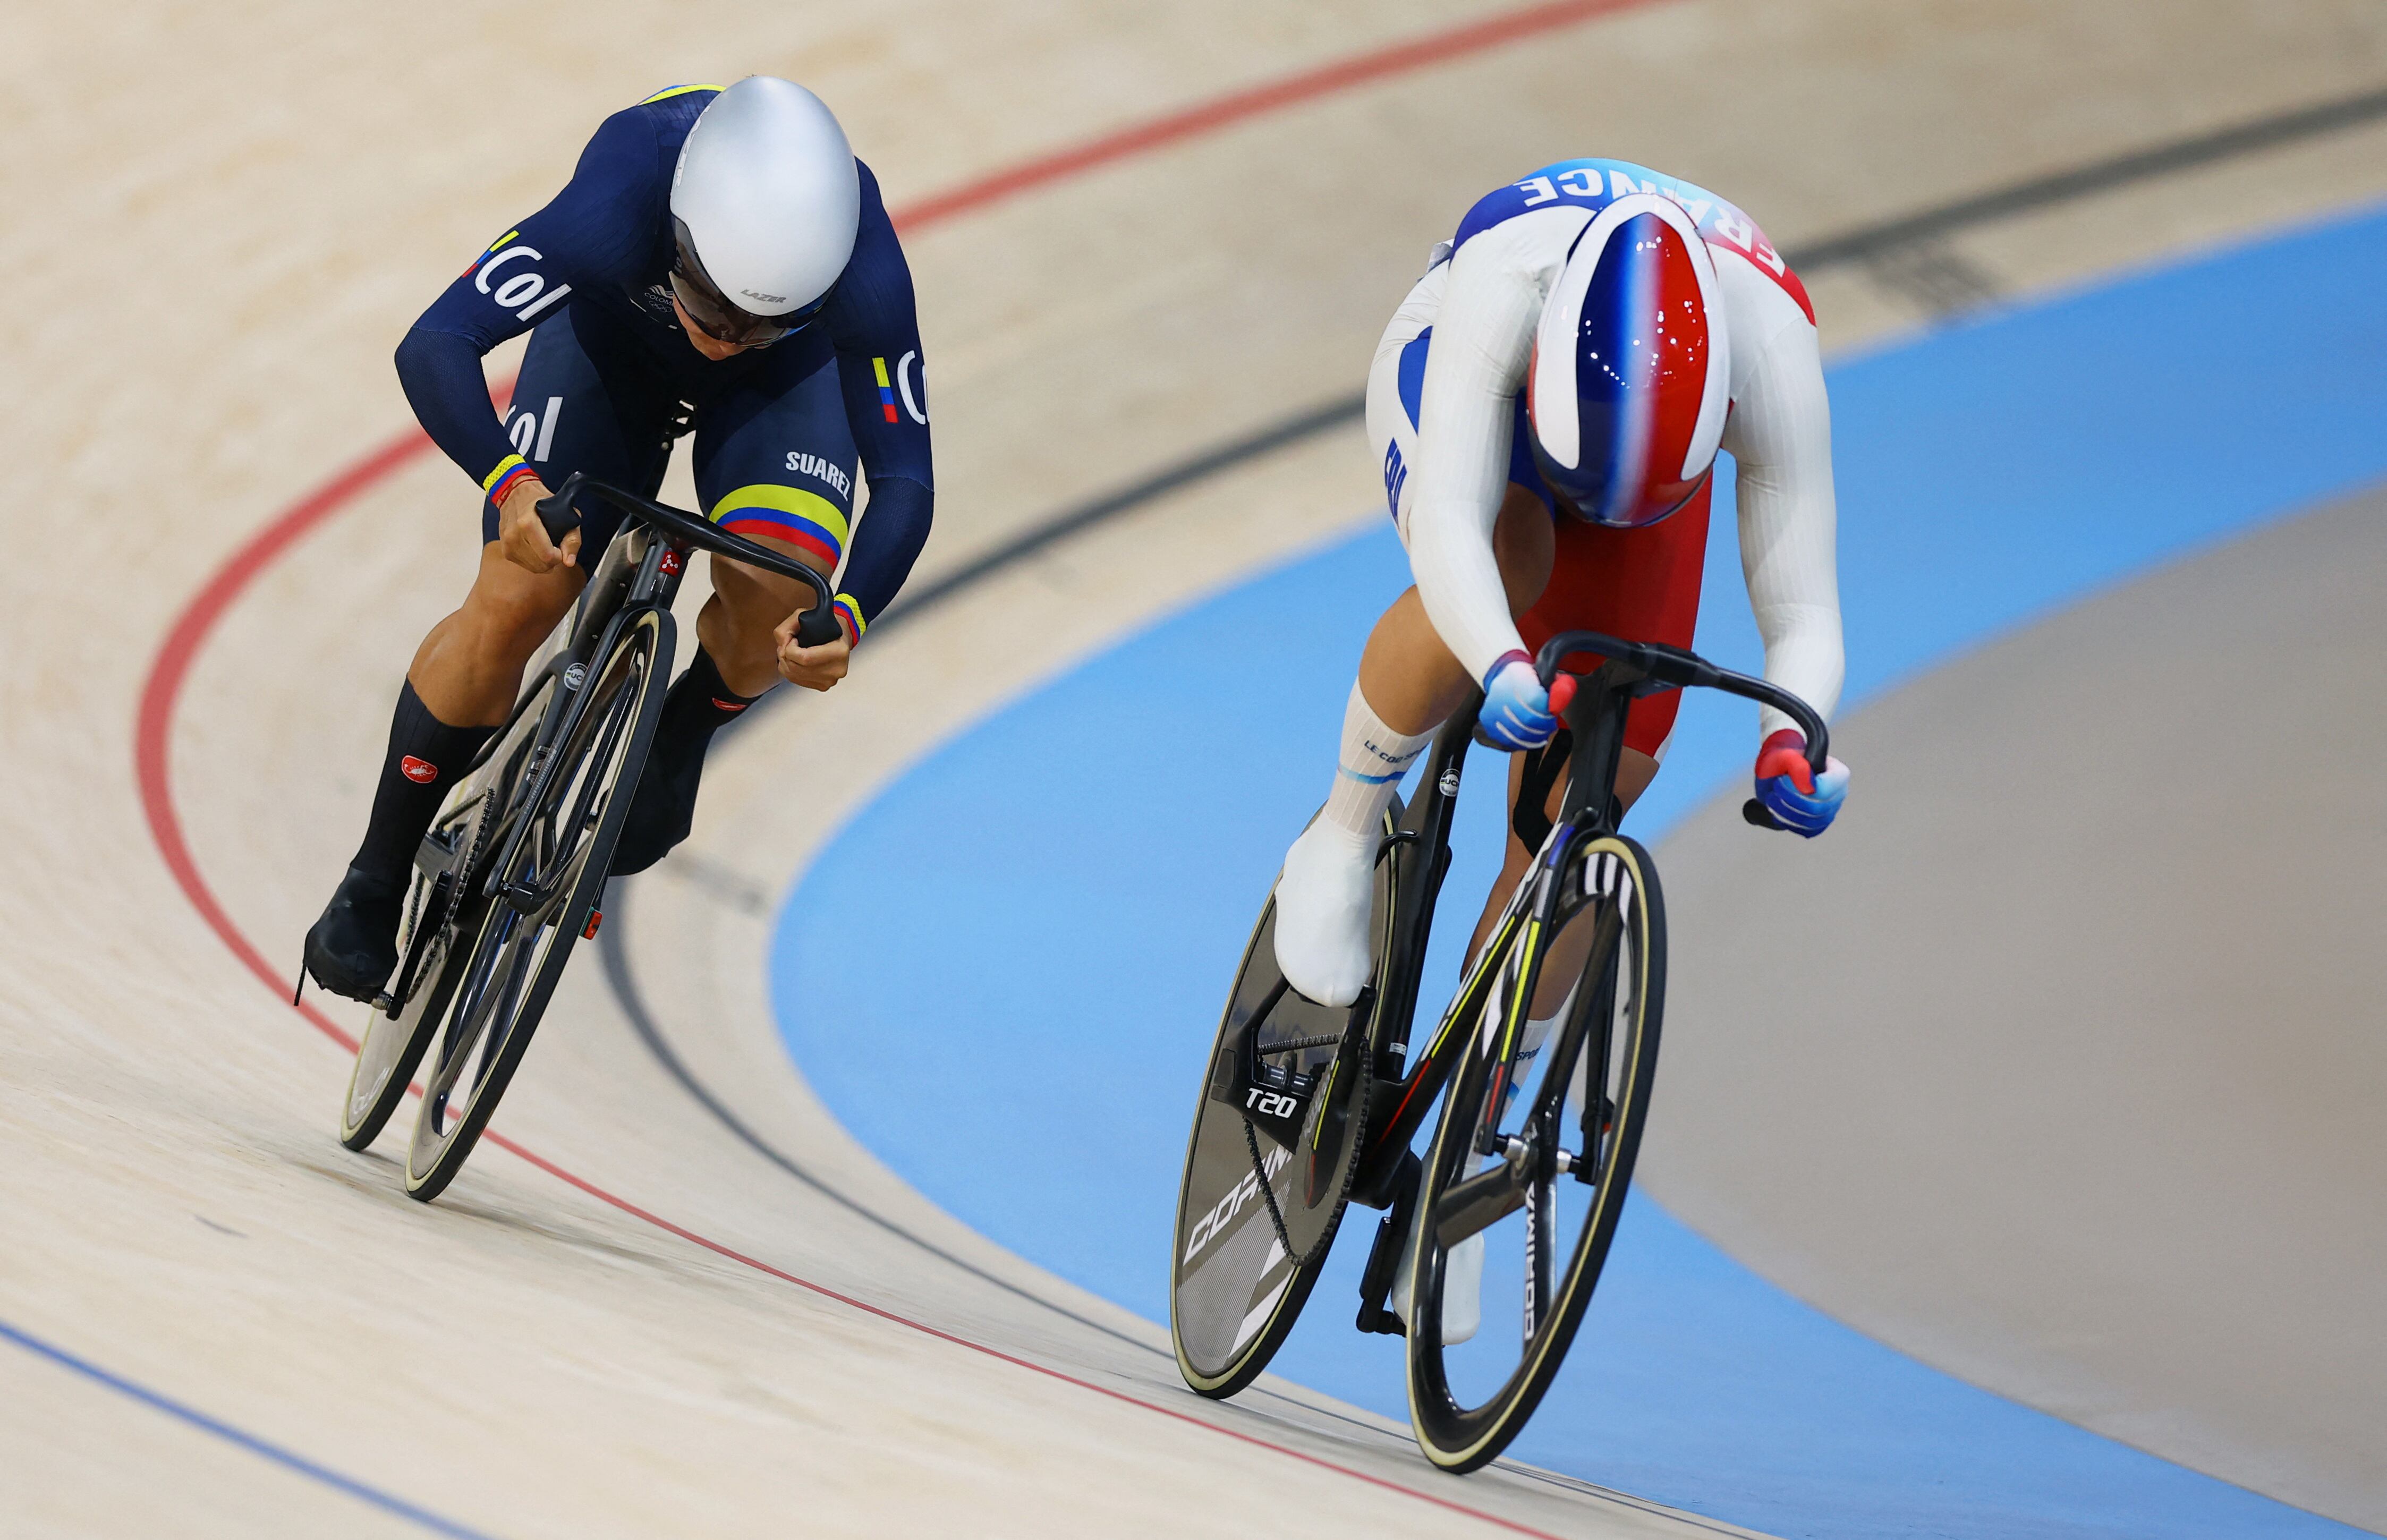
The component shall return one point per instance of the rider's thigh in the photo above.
(776, 462)
(1525, 542)
(1635, 771)
(589, 399)
(512, 609)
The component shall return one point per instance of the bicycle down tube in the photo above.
(1596, 717)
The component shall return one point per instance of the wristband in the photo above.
(510, 472)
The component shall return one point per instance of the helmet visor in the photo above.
(715, 316)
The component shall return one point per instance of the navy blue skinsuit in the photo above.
(609, 376)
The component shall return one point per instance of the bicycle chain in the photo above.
(482, 823)
(1359, 1136)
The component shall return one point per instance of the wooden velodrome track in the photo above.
(626, 1319)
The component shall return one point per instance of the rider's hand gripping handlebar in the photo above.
(1674, 667)
(817, 625)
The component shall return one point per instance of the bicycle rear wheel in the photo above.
(1530, 1165)
(1282, 1102)
(545, 898)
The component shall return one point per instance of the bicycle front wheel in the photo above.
(545, 898)
(1529, 1167)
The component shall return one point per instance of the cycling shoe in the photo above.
(352, 949)
(1462, 1290)
(1322, 905)
(664, 804)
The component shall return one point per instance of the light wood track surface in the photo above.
(222, 221)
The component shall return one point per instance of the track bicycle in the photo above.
(510, 872)
(1546, 1053)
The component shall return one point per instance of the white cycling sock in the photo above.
(1374, 759)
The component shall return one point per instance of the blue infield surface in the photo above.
(1073, 879)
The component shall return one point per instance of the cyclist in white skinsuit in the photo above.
(1548, 403)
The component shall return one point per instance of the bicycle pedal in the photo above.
(1385, 1255)
(596, 918)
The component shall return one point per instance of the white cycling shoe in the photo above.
(1462, 1276)
(1462, 1289)
(1322, 908)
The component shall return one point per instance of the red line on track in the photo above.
(1401, 59)
(153, 735)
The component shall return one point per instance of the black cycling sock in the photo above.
(698, 704)
(425, 757)
(660, 812)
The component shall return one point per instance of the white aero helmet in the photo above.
(764, 205)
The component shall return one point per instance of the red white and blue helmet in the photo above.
(1630, 373)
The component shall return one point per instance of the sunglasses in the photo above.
(719, 319)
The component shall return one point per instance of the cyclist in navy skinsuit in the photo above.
(719, 263)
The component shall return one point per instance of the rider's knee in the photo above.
(514, 610)
(754, 603)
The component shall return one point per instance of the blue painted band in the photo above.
(1990, 472)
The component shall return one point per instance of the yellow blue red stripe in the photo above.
(789, 514)
(849, 610)
(886, 389)
(501, 481)
(492, 250)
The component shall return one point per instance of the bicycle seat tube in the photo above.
(1596, 718)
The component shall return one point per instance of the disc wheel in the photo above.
(438, 910)
(1246, 1259)
(1528, 1170)
(544, 901)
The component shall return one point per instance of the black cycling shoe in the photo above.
(664, 804)
(353, 948)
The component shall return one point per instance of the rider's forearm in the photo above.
(441, 374)
(1459, 581)
(886, 542)
(1782, 440)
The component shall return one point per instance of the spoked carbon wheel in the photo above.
(1287, 1080)
(437, 910)
(545, 898)
(1528, 1171)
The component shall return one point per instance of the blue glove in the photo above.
(1518, 712)
(1801, 800)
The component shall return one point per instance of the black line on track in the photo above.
(2099, 176)
(1866, 244)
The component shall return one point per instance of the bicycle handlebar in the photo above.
(555, 512)
(1672, 665)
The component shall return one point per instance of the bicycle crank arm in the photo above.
(1478, 1203)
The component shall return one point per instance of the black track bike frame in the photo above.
(640, 570)
(1404, 1090)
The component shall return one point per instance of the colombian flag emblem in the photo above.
(886, 389)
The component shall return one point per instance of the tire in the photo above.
(1236, 1288)
(1598, 974)
(437, 911)
(501, 989)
